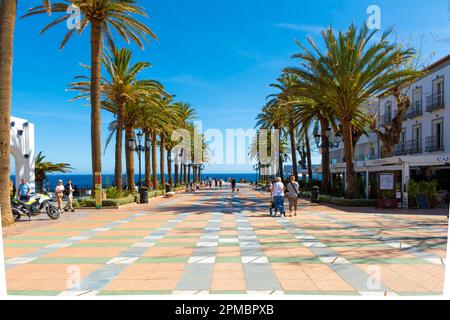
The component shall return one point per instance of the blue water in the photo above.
(85, 180)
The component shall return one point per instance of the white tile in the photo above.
(377, 293)
(75, 293)
(59, 245)
(210, 237)
(437, 261)
(79, 238)
(254, 260)
(153, 237)
(143, 245)
(175, 221)
(100, 229)
(212, 229)
(122, 260)
(245, 228)
(319, 245)
(207, 244)
(215, 221)
(122, 221)
(202, 260)
(229, 240)
(327, 260)
(277, 293)
(248, 237)
(19, 260)
(309, 244)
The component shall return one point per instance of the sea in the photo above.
(85, 180)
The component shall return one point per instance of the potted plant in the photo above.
(387, 200)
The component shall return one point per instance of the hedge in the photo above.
(348, 202)
(89, 202)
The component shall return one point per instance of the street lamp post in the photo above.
(139, 148)
(256, 168)
(332, 145)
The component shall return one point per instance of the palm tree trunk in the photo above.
(155, 176)
(308, 156)
(129, 157)
(7, 26)
(169, 167)
(162, 161)
(325, 156)
(96, 62)
(184, 173)
(194, 172)
(118, 153)
(148, 175)
(189, 174)
(348, 151)
(293, 152)
(177, 169)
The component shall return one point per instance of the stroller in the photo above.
(272, 210)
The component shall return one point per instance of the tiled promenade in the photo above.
(213, 242)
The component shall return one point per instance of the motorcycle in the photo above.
(38, 204)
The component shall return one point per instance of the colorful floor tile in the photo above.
(215, 242)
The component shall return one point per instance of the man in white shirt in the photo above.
(278, 196)
(68, 190)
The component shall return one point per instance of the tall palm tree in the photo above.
(119, 88)
(354, 68)
(7, 25)
(185, 114)
(104, 16)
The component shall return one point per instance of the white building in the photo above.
(424, 148)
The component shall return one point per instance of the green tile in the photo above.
(26, 245)
(33, 293)
(134, 293)
(102, 244)
(45, 237)
(293, 260)
(70, 260)
(163, 260)
(228, 259)
(228, 244)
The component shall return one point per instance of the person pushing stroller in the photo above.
(277, 194)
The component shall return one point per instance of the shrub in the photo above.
(347, 202)
(113, 193)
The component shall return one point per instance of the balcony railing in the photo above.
(415, 110)
(365, 157)
(435, 102)
(435, 143)
(408, 147)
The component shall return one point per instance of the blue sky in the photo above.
(220, 56)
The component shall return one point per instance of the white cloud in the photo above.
(308, 28)
(189, 80)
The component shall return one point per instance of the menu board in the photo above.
(386, 181)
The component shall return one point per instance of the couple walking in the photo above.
(279, 191)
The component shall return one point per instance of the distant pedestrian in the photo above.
(69, 190)
(59, 191)
(278, 196)
(220, 183)
(24, 190)
(293, 195)
(233, 185)
(12, 189)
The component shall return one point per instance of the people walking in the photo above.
(278, 196)
(69, 190)
(233, 185)
(24, 190)
(293, 195)
(59, 191)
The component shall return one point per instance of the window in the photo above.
(417, 139)
(438, 133)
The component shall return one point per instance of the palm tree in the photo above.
(185, 114)
(7, 25)
(354, 68)
(119, 88)
(104, 16)
(43, 167)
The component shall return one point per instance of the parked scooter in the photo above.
(38, 204)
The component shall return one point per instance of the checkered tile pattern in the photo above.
(213, 242)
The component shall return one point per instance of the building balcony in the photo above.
(435, 102)
(415, 110)
(435, 143)
(365, 157)
(408, 147)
